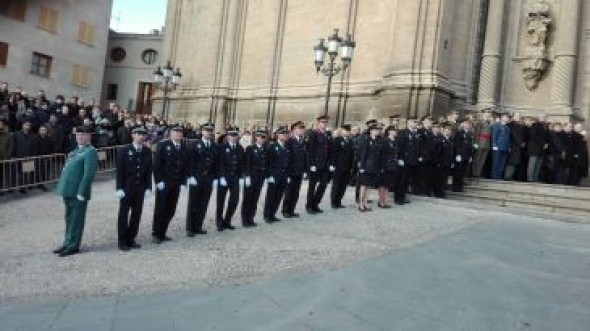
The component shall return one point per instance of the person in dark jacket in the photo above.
(369, 165)
(342, 160)
(203, 160)
(134, 183)
(45, 147)
(463, 151)
(297, 168)
(319, 147)
(392, 167)
(24, 146)
(410, 144)
(444, 160)
(230, 174)
(536, 146)
(517, 156)
(170, 173)
(557, 147)
(577, 156)
(279, 158)
(500, 146)
(255, 172)
(123, 135)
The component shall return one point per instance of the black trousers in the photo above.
(318, 181)
(400, 185)
(440, 175)
(274, 195)
(459, 176)
(339, 183)
(234, 196)
(292, 194)
(414, 180)
(198, 202)
(251, 197)
(426, 180)
(128, 225)
(166, 201)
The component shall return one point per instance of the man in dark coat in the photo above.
(255, 172)
(410, 146)
(203, 161)
(318, 150)
(170, 173)
(342, 160)
(279, 158)
(134, 183)
(24, 146)
(517, 157)
(297, 168)
(463, 151)
(536, 146)
(230, 173)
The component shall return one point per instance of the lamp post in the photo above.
(330, 69)
(167, 80)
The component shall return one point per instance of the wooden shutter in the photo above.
(3, 53)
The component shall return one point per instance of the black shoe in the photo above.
(134, 245)
(295, 215)
(311, 211)
(124, 247)
(230, 227)
(65, 253)
(201, 232)
(22, 191)
(318, 210)
(220, 228)
(253, 224)
(275, 219)
(166, 238)
(190, 234)
(340, 206)
(156, 240)
(407, 201)
(401, 203)
(269, 220)
(58, 250)
(286, 215)
(246, 224)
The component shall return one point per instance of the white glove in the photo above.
(420, 159)
(476, 146)
(192, 181)
(458, 158)
(362, 171)
(332, 168)
(160, 186)
(241, 182)
(470, 159)
(271, 180)
(147, 194)
(313, 169)
(248, 181)
(80, 198)
(215, 183)
(288, 180)
(222, 182)
(401, 163)
(495, 148)
(120, 194)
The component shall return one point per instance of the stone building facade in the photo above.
(251, 61)
(56, 46)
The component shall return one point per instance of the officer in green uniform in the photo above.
(74, 186)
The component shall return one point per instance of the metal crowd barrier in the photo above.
(30, 172)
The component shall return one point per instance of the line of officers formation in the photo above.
(417, 159)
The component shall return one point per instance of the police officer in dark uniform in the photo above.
(297, 167)
(255, 172)
(342, 159)
(427, 144)
(392, 168)
(410, 148)
(134, 182)
(170, 172)
(230, 172)
(202, 156)
(318, 151)
(359, 141)
(443, 161)
(462, 147)
(279, 158)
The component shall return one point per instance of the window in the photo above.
(3, 53)
(80, 75)
(48, 19)
(149, 56)
(112, 90)
(41, 65)
(86, 32)
(118, 54)
(16, 9)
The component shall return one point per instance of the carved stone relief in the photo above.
(538, 26)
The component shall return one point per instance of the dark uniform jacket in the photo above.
(203, 161)
(446, 157)
(134, 169)
(426, 145)
(279, 158)
(318, 150)
(256, 161)
(298, 164)
(343, 154)
(537, 139)
(390, 154)
(410, 146)
(463, 145)
(518, 136)
(231, 162)
(170, 164)
(370, 156)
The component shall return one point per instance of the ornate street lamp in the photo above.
(335, 45)
(167, 79)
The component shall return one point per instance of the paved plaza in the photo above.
(424, 266)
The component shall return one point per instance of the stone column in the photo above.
(492, 56)
(566, 54)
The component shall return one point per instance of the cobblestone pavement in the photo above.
(31, 226)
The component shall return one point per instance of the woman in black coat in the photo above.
(369, 165)
(391, 166)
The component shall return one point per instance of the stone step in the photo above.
(533, 188)
(572, 200)
(581, 210)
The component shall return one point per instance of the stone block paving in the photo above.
(31, 226)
